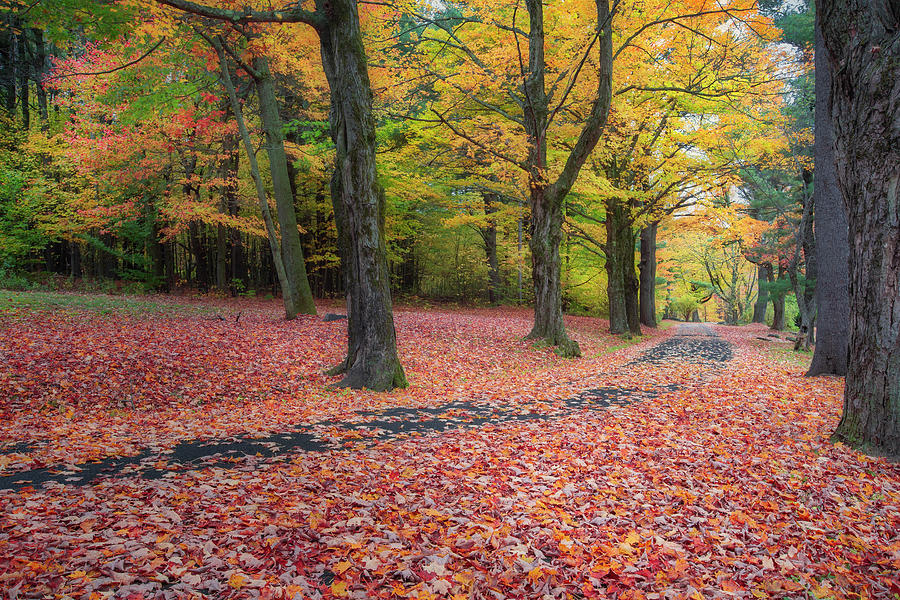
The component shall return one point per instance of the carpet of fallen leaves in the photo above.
(725, 487)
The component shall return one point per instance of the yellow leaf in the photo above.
(237, 581)
(77, 574)
(339, 589)
(632, 538)
(316, 519)
(341, 567)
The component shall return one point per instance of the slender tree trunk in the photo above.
(762, 293)
(777, 295)
(803, 285)
(24, 71)
(286, 288)
(75, 260)
(863, 40)
(832, 249)
(489, 234)
(201, 267)
(372, 360)
(8, 72)
(38, 69)
(230, 164)
(648, 275)
(291, 249)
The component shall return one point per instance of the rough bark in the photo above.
(647, 267)
(291, 249)
(762, 293)
(372, 361)
(546, 198)
(832, 249)
(863, 41)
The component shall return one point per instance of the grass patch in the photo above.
(12, 302)
(785, 354)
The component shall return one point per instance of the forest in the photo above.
(621, 276)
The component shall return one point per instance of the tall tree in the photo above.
(832, 296)
(863, 42)
(358, 199)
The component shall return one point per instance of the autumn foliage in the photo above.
(724, 486)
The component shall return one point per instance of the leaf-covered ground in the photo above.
(718, 482)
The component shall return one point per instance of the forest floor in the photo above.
(154, 448)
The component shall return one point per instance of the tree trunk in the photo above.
(201, 266)
(546, 198)
(230, 164)
(24, 69)
(38, 68)
(832, 296)
(291, 249)
(489, 234)
(372, 361)
(546, 235)
(648, 275)
(777, 301)
(8, 72)
(762, 293)
(75, 260)
(619, 249)
(286, 288)
(802, 286)
(865, 109)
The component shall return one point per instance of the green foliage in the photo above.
(684, 306)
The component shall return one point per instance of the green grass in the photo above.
(14, 302)
(784, 353)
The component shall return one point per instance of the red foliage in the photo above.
(727, 487)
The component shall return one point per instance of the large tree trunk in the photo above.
(648, 275)
(489, 234)
(546, 198)
(291, 249)
(372, 361)
(762, 294)
(546, 235)
(832, 296)
(863, 40)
